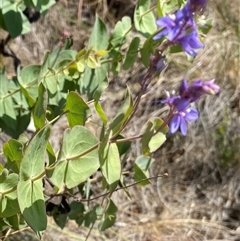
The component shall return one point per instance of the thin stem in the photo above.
(132, 138)
(54, 62)
(137, 101)
(58, 117)
(41, 175)
(90, 230)
(9, 190)
(14, 92)
(120, 188)
(15, 232)
(83, 153)
(148, 11)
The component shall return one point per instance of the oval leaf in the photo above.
(32, 205)
(78, 110)
(132, 53)
(144, 19)
(72, 170)
(33, 160)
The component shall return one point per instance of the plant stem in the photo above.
(41, 175)
(83, 153)
(9, 190)
(120, 188)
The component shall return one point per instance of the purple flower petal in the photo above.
(191, 114)
(183, 126)
(187, 48)
(174, 124)
(165, 22)
(210, 87)
(163, 33)
(181, 104)
(183, 88)
(194, 41)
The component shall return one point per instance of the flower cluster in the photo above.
(180, 28)
(181, 111)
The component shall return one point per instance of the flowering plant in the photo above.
(58, 86)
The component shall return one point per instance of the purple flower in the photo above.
(210, 87)
(181, 112)
(181, 118)
(180, 28)
(197, 89)
(191, 42)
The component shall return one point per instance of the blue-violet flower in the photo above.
(180, 28)
(181, 111)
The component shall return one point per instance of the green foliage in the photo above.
(144, 18)
(166, 7)
(71, 83)
(75, 161)
(109, 216)
(110, 162)
(141, 167)
(12, 18)
(154, 135)
(78, 110)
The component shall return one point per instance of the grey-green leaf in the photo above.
(34, 157)
(32, 205)
(72, 167)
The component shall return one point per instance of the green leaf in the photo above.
(26, 26)
(132, 53)
(77, 210)
(89, 217)
(159, 9)
(100, 112)
(175, 49)
(33, 160)
(7, 113)
(39, 112)
(109, 216)
(72, 168)
(94, 80)
(92, 61)
(8, 198)
(151, 140)
(146, 51)
(110, 162)
(121, 31)
(144, 19)
(205, 25)
(12, 18)
(99, 36)
(32, 205)
(167, 7)
(78, 110)
(44, 5)
(73, 70)
(141, 167)
(13, 151)
(123, 113)
(51, 154)
(123, 147)
(28, 80)
(14, 222)
(101, 87)
(60, 219)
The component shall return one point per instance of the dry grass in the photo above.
(200, 200)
